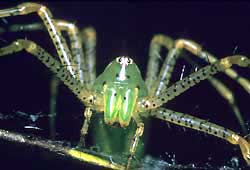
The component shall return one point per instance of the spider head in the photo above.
(121, 85)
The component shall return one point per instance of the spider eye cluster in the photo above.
(124, 60)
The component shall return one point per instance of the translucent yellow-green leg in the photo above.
(77, 60)
(227, 94)
(179, 87)
(196, 49)
(165, 73)
(79, 41)
(134, 143)
(76, 49)
(157, 42)
(47, 18)
(204, 126)
(88, 36)
(87, 97)
(85, 126)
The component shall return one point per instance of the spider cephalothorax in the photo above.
(120, 91)
(121, 84)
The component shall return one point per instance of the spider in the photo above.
(120, 92)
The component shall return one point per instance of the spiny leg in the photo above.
(180, 86)
(167, 68)
(75, 41)
(47, 18)
(135, 140)
(88, 36)
(196, 50)
(227, 94)
(85, 126)
(85, 63)
(82, 47)
(204, 126)
(87, 97)
(156, 45)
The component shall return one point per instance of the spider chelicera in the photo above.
(120, 92)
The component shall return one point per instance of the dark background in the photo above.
(126, 28)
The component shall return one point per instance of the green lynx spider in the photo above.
(120, 91)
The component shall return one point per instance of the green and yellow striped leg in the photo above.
(157, 42)
(88, 36)
(166, 71)
(196, 50)
(180, 86)
(85, 127)
(135, 140)
(75, 42)
(86, 96)
(85, 63)
(204, 126)
(55, 34)
(227, 94)
(83, 50)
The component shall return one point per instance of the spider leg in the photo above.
(88, 36)
(85, 63)
(156, 44)
(227, 94)
(165, 73)
(148, 103)
(47, 18)
(82, 47)
(196, 49)
(135, 140)
(89, 98)
(204, 126)
(85, 126)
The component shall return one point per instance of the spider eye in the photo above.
(129, 61)
(119, 59)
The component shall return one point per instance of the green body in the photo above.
(121, 85)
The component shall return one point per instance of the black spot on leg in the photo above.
(138, 87)
(182, 85)
(47, 60)
(104, 83)
(58, 69)
(52, 64)
(224, 134)
(186, 122)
